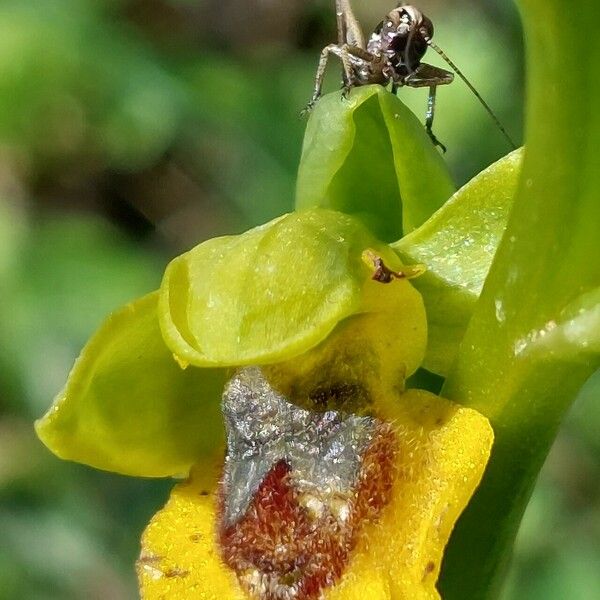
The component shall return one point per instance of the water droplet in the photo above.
(520, 345)
(500, 314)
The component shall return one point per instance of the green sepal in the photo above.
(369, 156)
(273, 292)
(128, 407)
(457, 245)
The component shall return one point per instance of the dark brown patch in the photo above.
(345, 397)
(282, 548)
(429, 568)
(176, 573)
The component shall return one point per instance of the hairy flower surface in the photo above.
(319, 504)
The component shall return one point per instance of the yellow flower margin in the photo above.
(443, 450)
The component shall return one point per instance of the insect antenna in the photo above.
(472, 88)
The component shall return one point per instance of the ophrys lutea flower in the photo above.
(336, 482)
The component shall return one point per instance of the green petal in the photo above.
(128, 407)
(457, 244)
(369, 156)
(271, 293)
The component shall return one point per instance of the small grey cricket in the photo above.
(392, 55)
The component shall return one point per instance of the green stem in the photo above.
(549, 257)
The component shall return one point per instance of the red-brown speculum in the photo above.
(292, 544)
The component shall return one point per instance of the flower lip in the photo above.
(433, 461)
(323, 449)
(297, 487)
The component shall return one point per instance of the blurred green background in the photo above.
(131, 130)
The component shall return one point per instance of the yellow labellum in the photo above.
(443, 450)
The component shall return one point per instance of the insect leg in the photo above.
(358, 52)
(341, 13)
(348, 73)
(430, 108)
(429, 117)
(354, 59)
(349, 30)
(331, 49)
(343, 53)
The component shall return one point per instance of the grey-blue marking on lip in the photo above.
(323, 449)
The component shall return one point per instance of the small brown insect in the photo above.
(383, 274)
(392, 55)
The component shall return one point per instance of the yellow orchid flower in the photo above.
(383, 539)
(337, 483)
